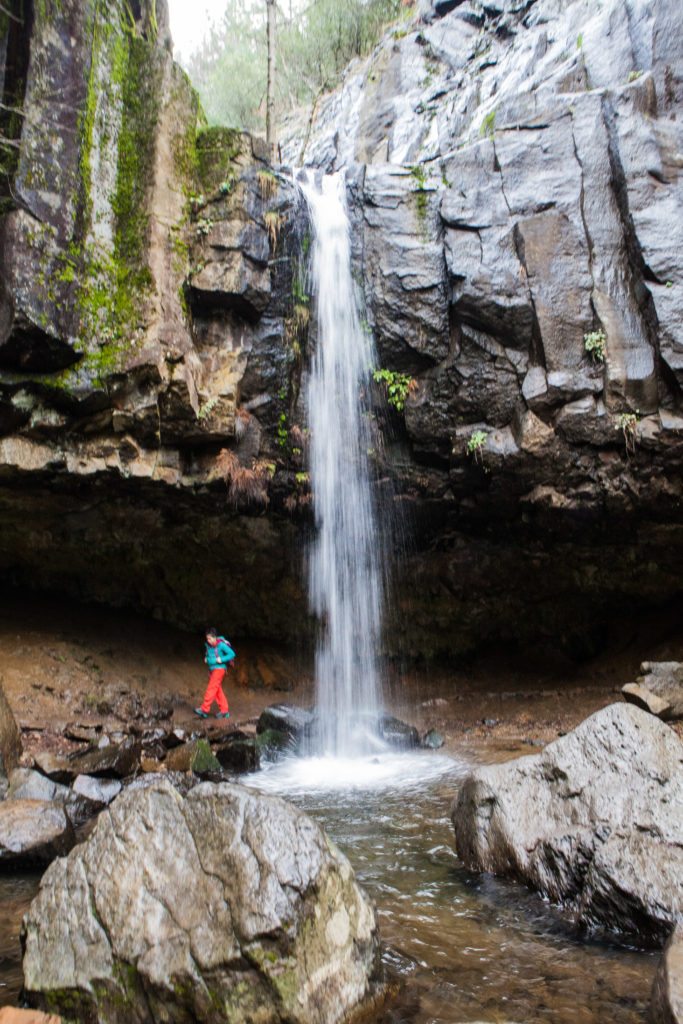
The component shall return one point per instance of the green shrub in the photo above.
(397, 386)
(594, 344)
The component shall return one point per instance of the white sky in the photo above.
(189, 22)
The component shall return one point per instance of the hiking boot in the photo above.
(223, 714)
(200, 713)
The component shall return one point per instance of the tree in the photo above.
(270, 97)
(246, 82)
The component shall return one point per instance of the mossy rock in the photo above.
(218, 149)
(272, 743)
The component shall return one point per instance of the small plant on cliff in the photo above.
(267, 183)
(207, 408)
(273, 221)
(418, 173)
(633, 76)
(203, 226)
(397, 386)
(488, 125)
(282, 433)
(594, 344)
(245, 486)
(475, 445)
(627, 423)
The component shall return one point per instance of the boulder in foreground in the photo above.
(593, 822)
(224, 905)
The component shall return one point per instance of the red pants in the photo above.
(214, 691)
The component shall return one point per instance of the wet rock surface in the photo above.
(223, 904)
(512, 194)
(591, 822)
(285, 718)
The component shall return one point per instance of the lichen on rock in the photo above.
(225, 905)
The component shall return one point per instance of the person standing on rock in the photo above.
(218, 656)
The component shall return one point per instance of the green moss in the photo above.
(418, 173)
(136, 156)
(216, 152)
(203, 759)
(488, 125)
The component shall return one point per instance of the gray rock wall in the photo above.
(514, 187)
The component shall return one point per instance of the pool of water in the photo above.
(16, 892)
(467, 947)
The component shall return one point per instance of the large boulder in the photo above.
(10, 741)
(666, 1006)
(593, 822)
(224, 905)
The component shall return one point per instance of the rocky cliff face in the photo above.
(516, 194)
(142, 323)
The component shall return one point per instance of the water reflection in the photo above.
(470, 948)
(16, 892)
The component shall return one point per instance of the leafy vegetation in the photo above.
(315, 41)
(488, 125)
(475, 445)
(397, 385)
(627, 423)
(594, 344)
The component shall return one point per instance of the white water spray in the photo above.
(345, 572)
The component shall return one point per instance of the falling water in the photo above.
(345, 572)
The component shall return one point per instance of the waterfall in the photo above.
(345, 572)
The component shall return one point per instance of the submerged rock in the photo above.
(33, 832)
(10, 741)
(432, 740)
(397, 733)
(666, 1005)
(224, 906)
(590, 822)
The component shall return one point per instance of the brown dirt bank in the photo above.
(64, 664)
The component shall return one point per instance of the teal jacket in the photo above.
(220, 655)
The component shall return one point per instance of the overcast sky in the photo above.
(189, 22)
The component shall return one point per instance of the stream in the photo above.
(468, 947)
(465, 947)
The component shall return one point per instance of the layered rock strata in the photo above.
(516, 198)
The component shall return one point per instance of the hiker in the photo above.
(218, 656)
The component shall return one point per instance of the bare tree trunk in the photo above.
(270, 95)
